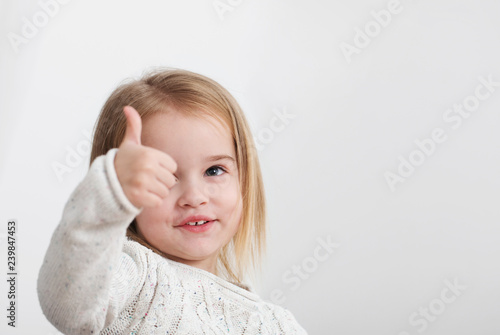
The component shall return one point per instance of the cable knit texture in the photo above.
(94, 280)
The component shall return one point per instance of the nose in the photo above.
(192, 194)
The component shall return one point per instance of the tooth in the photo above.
(197, 223)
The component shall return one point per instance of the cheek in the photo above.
(227, 192)
(145, 216)
(142, 219)
(236, 209)
(151, 216)
(227, 197)
(239, 212)
(220, 186)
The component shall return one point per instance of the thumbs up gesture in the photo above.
(145, 173)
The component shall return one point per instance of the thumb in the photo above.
(134, 125)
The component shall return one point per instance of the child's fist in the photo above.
(145, 174)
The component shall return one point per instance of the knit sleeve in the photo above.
(86, 279)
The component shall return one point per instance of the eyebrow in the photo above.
(219, 157)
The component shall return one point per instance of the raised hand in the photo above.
(145, 173)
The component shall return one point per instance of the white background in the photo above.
(324, 170)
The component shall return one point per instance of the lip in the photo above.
(195, 218)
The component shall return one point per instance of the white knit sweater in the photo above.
(94, 280)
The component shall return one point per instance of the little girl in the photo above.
(170, 218)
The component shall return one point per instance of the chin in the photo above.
(197, 255)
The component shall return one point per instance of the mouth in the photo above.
(197, 226)
(195, 220)
(197, 223)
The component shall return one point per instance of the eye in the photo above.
(215, 168)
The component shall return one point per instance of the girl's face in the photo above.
(207, 185)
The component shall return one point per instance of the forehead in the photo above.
(186, 138)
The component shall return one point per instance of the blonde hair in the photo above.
(198, 96)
